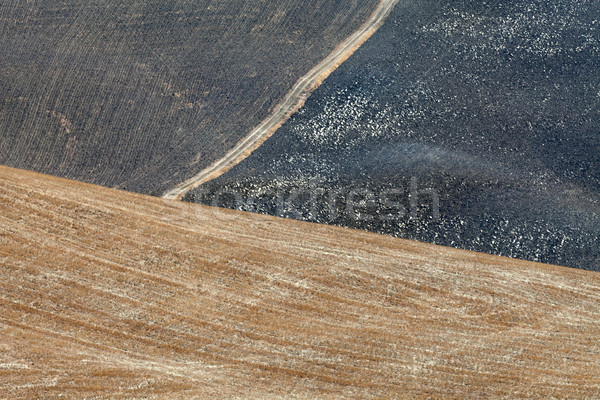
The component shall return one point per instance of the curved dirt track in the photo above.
(290, 104)
(107, 294)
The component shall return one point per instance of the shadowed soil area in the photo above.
(142, 95)
(494, 106)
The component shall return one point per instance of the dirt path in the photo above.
(293, 101)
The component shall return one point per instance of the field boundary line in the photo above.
(291, 103)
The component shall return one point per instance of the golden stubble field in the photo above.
(108, 294)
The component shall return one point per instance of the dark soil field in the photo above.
(141, 95)
(107, 294)
(488, 113)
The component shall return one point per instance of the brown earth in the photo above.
(108, 294)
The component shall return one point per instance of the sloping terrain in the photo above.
(495, 106)
(291, 103)
(141, 95)
(108, 294)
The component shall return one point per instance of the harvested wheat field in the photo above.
(107, 294)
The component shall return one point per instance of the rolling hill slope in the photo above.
(141, 95)
(109, 294)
